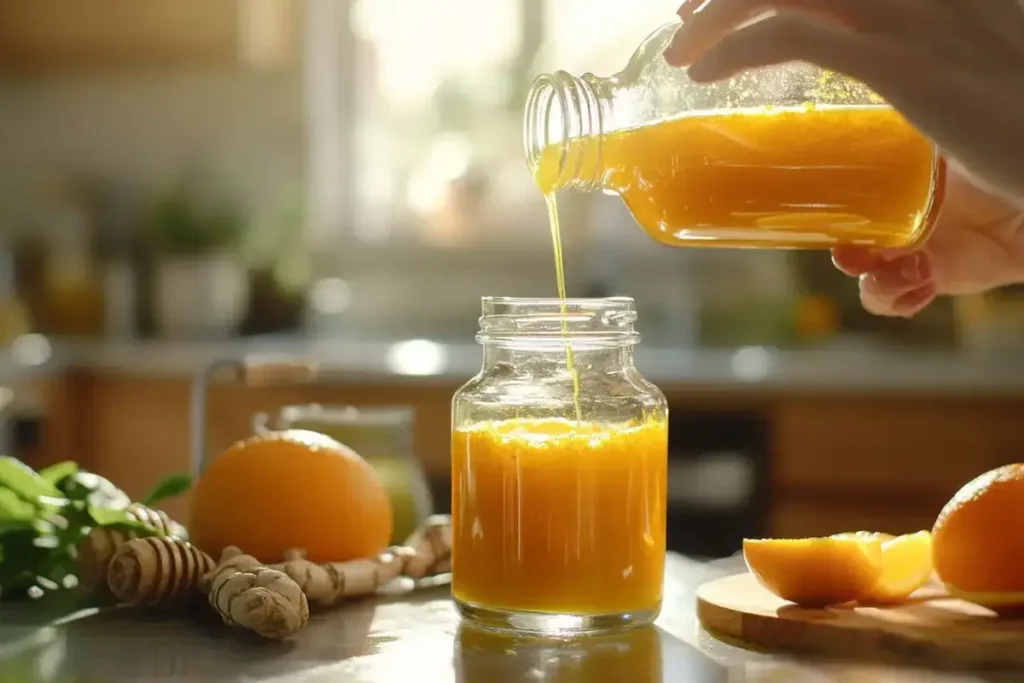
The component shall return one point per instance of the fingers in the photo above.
(1003, 17)
(795, 36)
(706, 22)
(854, 262)
(689, 7)
(904, 306)
(890, 285)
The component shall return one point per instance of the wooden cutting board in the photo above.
(931, 629)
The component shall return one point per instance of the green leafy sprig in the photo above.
(44, 515)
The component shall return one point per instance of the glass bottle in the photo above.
(558, 472)
(788, 156)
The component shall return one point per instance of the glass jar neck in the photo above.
(564, 130)
(586, 359)
(527, 332)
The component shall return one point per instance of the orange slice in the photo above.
(867, 535)
(816, 572)
(906, 566)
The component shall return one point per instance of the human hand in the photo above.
(954, 68)
(977, 244)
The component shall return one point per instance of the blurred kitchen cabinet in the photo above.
(846, 463)
(57, 36)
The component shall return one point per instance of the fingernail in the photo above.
(891, 254)
(676, 52)
(672, 54)
(916, 269)
(691, 7)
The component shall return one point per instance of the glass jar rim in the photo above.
(536, 321)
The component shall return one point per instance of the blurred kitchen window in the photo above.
(416, 108)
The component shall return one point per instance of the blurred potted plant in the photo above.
(278, 259)
(201, 283)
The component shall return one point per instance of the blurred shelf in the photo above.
(70, 36)
(747, 370)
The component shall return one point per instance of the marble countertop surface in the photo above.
(841, 369)
(413, 638)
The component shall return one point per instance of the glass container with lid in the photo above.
(788, 156)
(558, 472)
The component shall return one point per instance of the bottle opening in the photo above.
(560, 109)
(582, 322)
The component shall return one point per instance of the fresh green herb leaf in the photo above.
(24, 481)
(13, 508)
(93, 489)
(54, 473)
(169, 487)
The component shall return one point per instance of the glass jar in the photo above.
(788, 156)
(558, 472)
(383, 436)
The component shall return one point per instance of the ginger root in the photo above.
(251, 595)
(427, 551)
(156, 571)
(432, 547)
(97, 549)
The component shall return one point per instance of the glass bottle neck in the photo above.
(564, 130)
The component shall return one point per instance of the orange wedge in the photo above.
(816, 572)
(906, 566)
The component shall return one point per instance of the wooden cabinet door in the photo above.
(72, 35)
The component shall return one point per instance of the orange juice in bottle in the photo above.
(789, 156)
(558, 516)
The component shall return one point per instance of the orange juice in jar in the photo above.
(558, 472)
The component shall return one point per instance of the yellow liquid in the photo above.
(770, 177)
(559, 516)
(556, 240)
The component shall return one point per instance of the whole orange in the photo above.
(292, 489)
(977, 544)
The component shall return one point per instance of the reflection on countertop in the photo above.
(852, 368)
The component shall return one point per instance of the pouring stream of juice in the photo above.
(556, 239)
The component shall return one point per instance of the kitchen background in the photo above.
(186, 181)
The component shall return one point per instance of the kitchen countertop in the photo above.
(747, 369)
(416, 638)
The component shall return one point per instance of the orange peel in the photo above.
(977, 545)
